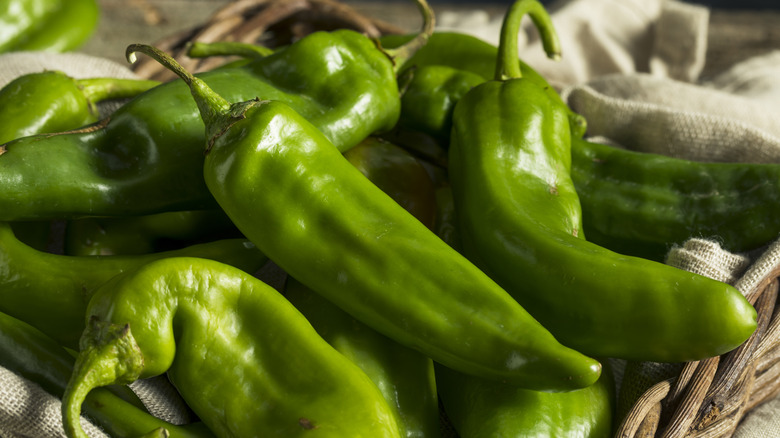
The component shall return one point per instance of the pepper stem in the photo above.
(217, 113)
(109, 355)
(508, 65)
(227, 48)
(400, 54)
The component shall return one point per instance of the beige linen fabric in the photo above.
(601, 37)
(27, 411)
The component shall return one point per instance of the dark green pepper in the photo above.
(429, 99)
(398, 174)
(51, 101)
(242, 357)
(49, 25)
(31, 354)
(478, 408)
(341, 236)
(51, 291)
(519, 219)
(641, 204)
(147, 158)
(145, 234)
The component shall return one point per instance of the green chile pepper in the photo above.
(147, 158)
(51, 101)
(469, 54)
(404, 376)
(145, 234)
(478, 408)
(429, 99)
(31, 354)
(51, 291)
(398, 174)
(641, 204)
(50, 25)
(242, 357)
(519, 220)
(363, 251)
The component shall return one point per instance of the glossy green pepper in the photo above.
(478, 408)
(641, 204)
(242, 357)
(51, 291)
(464, 53)
(147, 158)
(404, 376)
(341, 236)
(31, 354)
(51, 101)
(145, 234)
(50, 25)
(519, 219)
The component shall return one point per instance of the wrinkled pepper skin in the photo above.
(31, 354)
(391, 272)
(242, 357)
(641, 204)
(146, 234)
(51, 291)
(48, 25)
(519, 219)
(147, 158)
(404, 376)
(478, 408)
(398, 174)
(51, 101)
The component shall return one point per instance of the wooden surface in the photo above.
(734, 34)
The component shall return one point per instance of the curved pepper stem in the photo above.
(109, 355)
(406, 51)
(508, 65)
(217, 113)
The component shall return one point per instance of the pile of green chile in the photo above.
(455, 250)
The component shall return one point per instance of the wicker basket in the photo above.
(271, 23)
(710, 397)
(706, 399)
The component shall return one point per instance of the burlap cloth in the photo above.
(632, 68)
